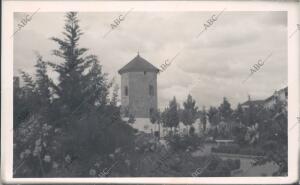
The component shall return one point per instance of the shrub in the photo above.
(223, 169)
(131, 119)
(233, 164)
(214, 163)
(192, 130)
(178, 142)
(220, 168)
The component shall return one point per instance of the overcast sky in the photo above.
(209, 67)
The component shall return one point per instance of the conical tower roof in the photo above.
(138, 64)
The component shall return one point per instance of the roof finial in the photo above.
(138, 53)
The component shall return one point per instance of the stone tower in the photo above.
(139, 87)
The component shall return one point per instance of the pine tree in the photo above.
(29, 84)
(29, 94)
(164, 117)
(172, 114)
(203, 118)
(189, 113)
(43, 86)
(97, 85)
(225, 110)
(96, 129)
(213, 116)
(239, 114)
(250, 114)
(71, 87)
(114, 99)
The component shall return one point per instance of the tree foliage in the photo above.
(203, 118)
(238, 114)
(73, 68)
(114, 99)
(213, 116)
(63, 129)
(155, 117)
(225, 110)
(190, 110)
(170, 116)
(274, 137)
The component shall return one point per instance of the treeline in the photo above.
(254, 128)
(62, 127)
(189, 113)
(221, 116)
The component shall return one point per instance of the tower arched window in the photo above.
(126, 90)
(151, 90)
(151, 111)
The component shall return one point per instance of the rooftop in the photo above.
(254, 102)
(138, 64)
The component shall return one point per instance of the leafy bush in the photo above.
(192, 130)
(131, 119)
(221, 168)
(177, 142)
(239, 134)
(215, 161)
(233, 164)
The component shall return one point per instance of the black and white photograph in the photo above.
(130, 92)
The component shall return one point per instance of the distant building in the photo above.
(139, 87)
(255, 103)
(280, 95)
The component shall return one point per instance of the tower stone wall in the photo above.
(141, 94)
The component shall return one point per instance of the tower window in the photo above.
(126, 90)
(151, 111)
(151, 90)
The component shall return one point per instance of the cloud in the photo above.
(209, 68)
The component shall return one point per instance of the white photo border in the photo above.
(9, 7)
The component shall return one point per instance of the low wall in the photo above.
(236, 155)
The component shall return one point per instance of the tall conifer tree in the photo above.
(71, 87)
(81, 83)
